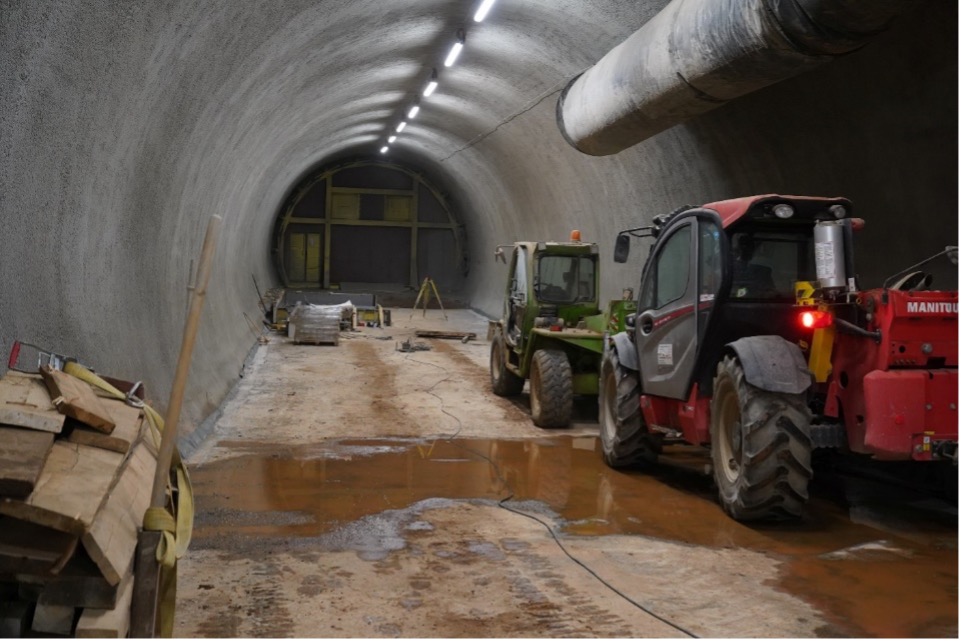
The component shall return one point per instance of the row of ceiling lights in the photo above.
(452, 56)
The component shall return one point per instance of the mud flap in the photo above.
(627, 354)
(773, 364)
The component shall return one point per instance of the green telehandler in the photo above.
(552, 329)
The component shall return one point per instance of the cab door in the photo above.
(682, 281)
(516, 302)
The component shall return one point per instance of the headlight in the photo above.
(838, 211)
(783, 210)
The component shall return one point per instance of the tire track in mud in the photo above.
(379, 384)
(252, 607)
(266, 609)
(468, 375)
(560, 609)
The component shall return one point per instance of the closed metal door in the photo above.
(296, 257)
(313, 254)
(304, 258)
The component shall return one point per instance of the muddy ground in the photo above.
(361, 491)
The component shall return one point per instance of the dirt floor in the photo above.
(362, 491)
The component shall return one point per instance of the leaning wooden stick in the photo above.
(159, 494)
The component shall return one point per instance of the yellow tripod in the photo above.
(427, 287)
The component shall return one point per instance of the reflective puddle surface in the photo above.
(876, 561)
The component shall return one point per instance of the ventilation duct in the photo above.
(696, 55)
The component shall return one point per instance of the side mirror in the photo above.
(622, 247)
(953, 254)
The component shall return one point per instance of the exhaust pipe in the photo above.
(696, 55)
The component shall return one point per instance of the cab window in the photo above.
(667, 281)
(767, 264)
(566, 279)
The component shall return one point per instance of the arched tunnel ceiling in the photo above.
(125, 126)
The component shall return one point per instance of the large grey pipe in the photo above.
(696, 55)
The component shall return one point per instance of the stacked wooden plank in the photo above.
(75, 478)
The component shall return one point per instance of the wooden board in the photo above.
(112, 537)
(108, 624)
(79, 584)
(73, 484)
(425, 333)
(25, 402)
(74, 398)
(22, 455)
(29, 548)
(129, 421)
(53, 619)
(143, 604)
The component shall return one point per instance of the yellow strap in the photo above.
(158, 519)
(185, 505)
(154, 419)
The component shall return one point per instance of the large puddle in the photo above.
(875, 563)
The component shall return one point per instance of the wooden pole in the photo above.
(158, 496)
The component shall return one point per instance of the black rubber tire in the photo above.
(551, 388)
(625, 440)
(504, 382)
(761, 450)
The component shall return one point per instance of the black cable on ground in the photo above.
(503, 504)
(430, 390)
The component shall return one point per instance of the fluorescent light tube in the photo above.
(384, 149)
(414, 111)
(483, 10)
(453, 55)
(392, 139)
(401, 126)
(430, 88)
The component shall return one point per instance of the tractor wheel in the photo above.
(760, 447)
(624, 439)
(504, 382)
(551, 388)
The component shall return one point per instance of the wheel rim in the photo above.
(608, 427)
(729, 437)
(496, 361)
(535, 390)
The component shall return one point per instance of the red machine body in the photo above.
(898, 396)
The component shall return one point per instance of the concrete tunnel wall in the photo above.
(124, 126)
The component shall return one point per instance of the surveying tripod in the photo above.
(427, 286)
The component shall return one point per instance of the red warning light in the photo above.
(815, 319)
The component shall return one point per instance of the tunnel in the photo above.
(125, 126)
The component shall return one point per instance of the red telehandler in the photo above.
(752, 337)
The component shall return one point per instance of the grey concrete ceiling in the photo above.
(125, 125)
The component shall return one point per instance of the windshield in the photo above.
(566, 279)
(767, 264)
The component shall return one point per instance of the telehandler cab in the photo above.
(752, 337)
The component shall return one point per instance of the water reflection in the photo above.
(868, 581)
